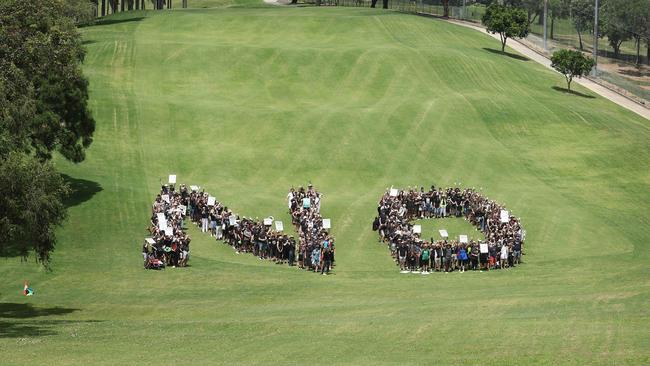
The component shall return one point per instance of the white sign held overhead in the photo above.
(232, 220)
(505, 216)
(150, 241)
(211, 201)
(161, 217)
(279, 226)
(484, 248)
(172, 179)
(327, 224)
(462, 238)
(393, 192)
(165, 197)
(443, 233)
(417, 229)
(268, 221)
(194, 188)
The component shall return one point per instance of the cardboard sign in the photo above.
(444, 233)
(393, 192)
(417, 229)
(327, 224)
(279, 226)
(150, 241)
(211, 201)
(306, 203)
(165, 197)
(484, 248)
(232, 220)
(172, 179)
(194, 188)
(505, 216)
(268, 221)
(463, 238)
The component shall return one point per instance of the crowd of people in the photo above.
(169, 244)
(504, 236)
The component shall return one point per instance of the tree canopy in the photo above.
(507, 21)
(43, 110)
(571, 64)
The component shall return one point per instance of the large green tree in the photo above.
(614, 15)
(507, 21)
(43, 110)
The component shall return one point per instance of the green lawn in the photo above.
(249, 101)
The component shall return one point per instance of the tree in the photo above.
(445, 8)
(614, 16)
(509, 22)
(582, 13)
(46, 93)
(638, 23)
(43, 109)
(558, 9)
(31, 198)
(571, 64)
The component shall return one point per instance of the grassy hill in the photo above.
(247, 102)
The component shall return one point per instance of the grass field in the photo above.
(247, 101)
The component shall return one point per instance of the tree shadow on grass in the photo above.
(16, 320)
(511, 55)
(557, 88)
(112, 21)
(81, 190)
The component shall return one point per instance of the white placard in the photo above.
(232, 220)
(279, 226)
(463, 238)
(211, 201)
(443, 233)
(182, 209)
(163, 227)
(268, 221)
(172, 179)
(194, 188)
(150, 241)
(505, 216)
(165, 197)
(306, 203)
(161, 217)
(327, 224)
(484, 248)
(417, 229)
(393, 192)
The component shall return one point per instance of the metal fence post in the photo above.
(595, 70)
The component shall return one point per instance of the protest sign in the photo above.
(211, 201)
(150, 241)
(444, 233)
(505, 216)
(165, 197)
(393, 192)
(417, 229)
(327, 224)
(306, 203)
(484, 248)
(279, 226)
(268, 221)
(172, 179)
(462, 238)
(232, 220)
(182, 209)
(194, 188)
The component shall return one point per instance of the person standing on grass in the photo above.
(315, 258)
(402, 252)
(424, 258)
(504, 256)
(462, 257)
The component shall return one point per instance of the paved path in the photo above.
(596, 88)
